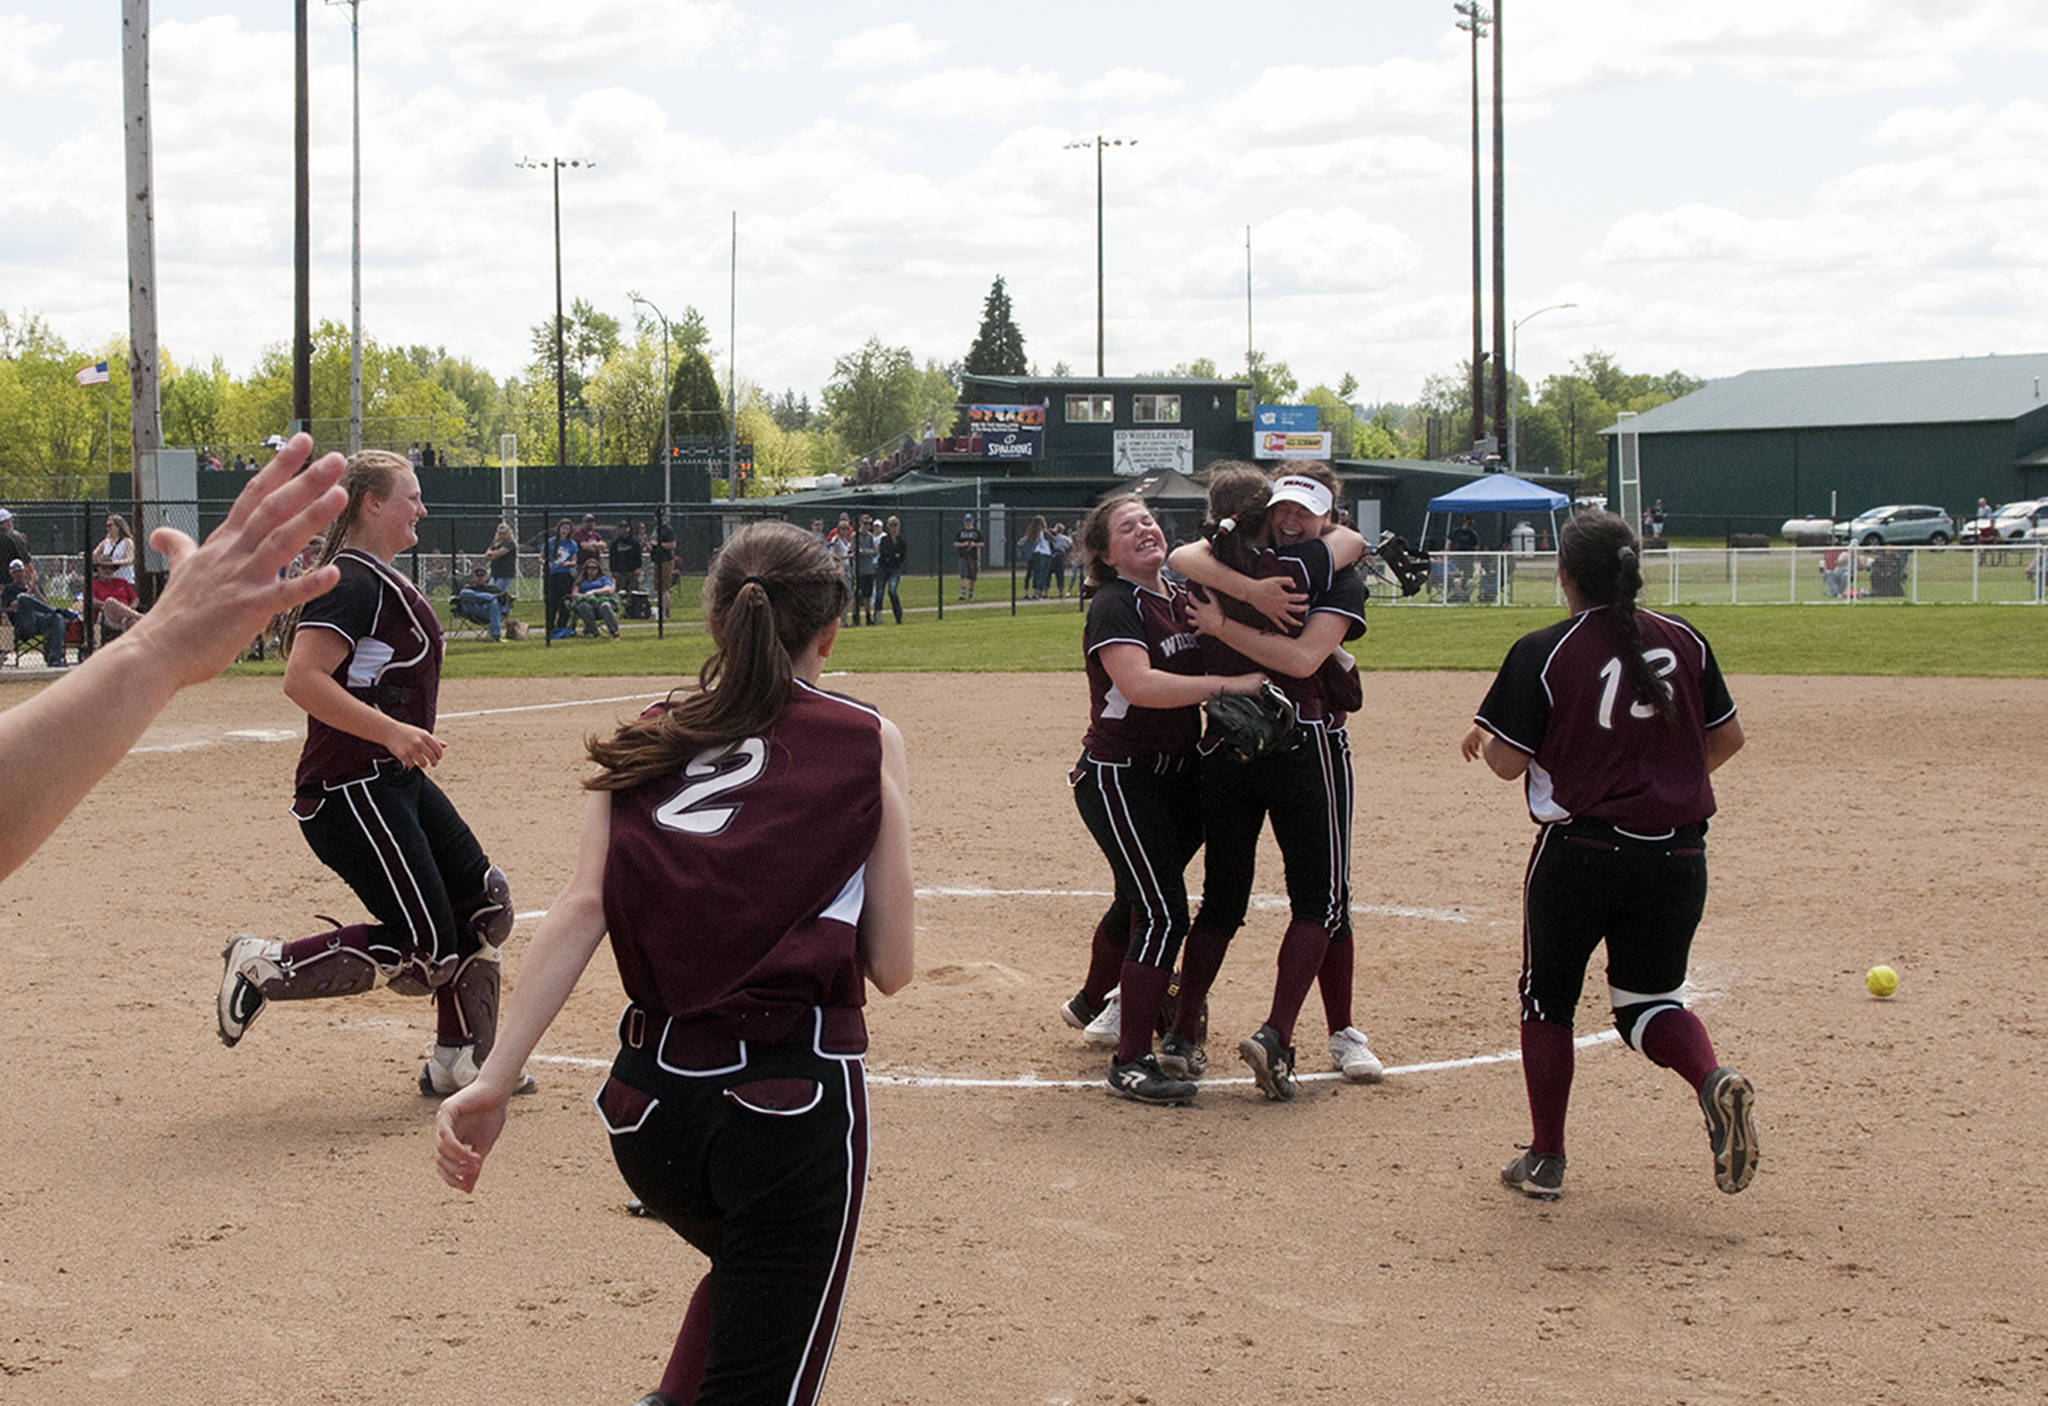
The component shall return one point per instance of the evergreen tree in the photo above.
(998, 348)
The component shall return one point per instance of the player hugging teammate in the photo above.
(1137, 785)
(1289, 596)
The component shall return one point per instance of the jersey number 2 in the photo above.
(1662, 663)
(697, 809)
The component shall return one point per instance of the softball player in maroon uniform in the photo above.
(364, 661)
(1307, 791)
(747, 846)
(1612, 721)
(1137, 784)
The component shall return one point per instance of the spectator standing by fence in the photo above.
(559, 561)
(889, 555)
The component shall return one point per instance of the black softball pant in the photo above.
(1147, 818)
(1643, 896)
(1306, 792)
(398, 842)
(556, 589)
(762, 1165)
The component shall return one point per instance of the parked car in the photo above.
(2009, 523)
(1898, 525)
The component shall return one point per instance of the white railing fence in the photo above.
(2013, 574)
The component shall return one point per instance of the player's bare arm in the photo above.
(309, 682)
(1296, 656)
(1724, 742)
(1274, 597)
(1508, 762)
(888, 920)
(1345, 546)
(468, 1124)
(219, 597)
(1130, 669)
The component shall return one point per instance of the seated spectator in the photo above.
(596, 599)
(32, 615)
(626, 555)
(113, 578)
(481, 602)
(1834, 571)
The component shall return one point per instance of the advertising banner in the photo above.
(1278, 444)
(1141, 452)
(1293, 419)
(1007, 431)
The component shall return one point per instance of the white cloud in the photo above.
(890, 46)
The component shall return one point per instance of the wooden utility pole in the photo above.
(144, 432)
(302, 250)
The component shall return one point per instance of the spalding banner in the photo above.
(1007, 431)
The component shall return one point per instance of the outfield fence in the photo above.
(2009, 574)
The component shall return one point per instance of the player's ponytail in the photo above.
(772, 590)
(1601, 554)
(1237, 515)
(374, 471)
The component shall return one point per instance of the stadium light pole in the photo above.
(1098, 143)
(1473, 20)
(667, 389)
(1514, 352)
(355, 271)
(553, 165)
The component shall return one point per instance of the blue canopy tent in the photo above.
(1499, 493)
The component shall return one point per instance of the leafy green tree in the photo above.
(399, 404)
(998, 348)
(790, 411)
(1336, 416)
(875, 393)
(589, 339)
(192, 405)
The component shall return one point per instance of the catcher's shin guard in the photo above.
(333, 971)
(475, 989)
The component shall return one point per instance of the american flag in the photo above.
(93, 375)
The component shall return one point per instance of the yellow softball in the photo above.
(1882, 981)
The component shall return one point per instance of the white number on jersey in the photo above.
(696, 809)
(1662, 663)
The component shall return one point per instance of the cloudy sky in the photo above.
(1717, 187)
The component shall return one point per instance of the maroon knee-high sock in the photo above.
(1335, 981)
(1675, 1039)
(1144, 993)
(448, 1018)
(685, 1371)
(1200, 959)
(1302, 952)
(1547, 1074)
(1106, 956)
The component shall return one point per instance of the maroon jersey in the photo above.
(1566, 696)
(1124, 612)
(393, 664)
(1308, 568)
(733, 889)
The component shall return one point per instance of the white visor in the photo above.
(1306, 491)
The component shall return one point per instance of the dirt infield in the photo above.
(184, 1223)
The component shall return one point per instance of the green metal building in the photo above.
(1746, 453)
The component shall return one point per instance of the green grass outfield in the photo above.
(1985, 641)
